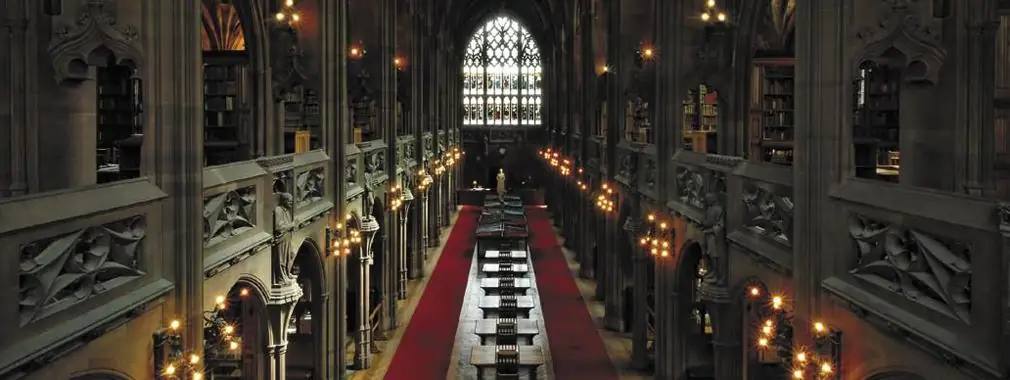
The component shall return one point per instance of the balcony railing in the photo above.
(78, 262)
(246, 203)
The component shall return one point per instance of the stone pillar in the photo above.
(640, 312)
(334, 115)
(600, 255)
(402, 252)
(68, 124)
(727, 334)
(983, 24)
(671, 18)
(363, 341)
(823, 90)
(19, 77)
(280, 307)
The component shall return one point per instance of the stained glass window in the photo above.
(502, 76)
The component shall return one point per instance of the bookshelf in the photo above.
(118, 120)
(875, 123)
(772, 121)
(225, 78)
(701, 119)
(301, 114)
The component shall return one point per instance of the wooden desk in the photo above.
(527, 327)
(516, 255)
(529, 356)
(524, 303)
(492, 283)
(494, 268)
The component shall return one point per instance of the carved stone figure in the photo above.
(715, 237)
(351, 172)
(501, 183)
(283, 226)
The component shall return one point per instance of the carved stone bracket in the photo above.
(72, 47)
(908, 26)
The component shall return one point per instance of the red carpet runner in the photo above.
(425, 351)
(576, 348)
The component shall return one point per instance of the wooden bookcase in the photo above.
(118, 109)
(772, 121)
(226, 78)
(301, 113)
(875, 123)
(701, 120)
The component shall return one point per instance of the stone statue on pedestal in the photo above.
(715, 237)
(283, 226)
(501, 184)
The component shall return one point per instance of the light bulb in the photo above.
(295, 17)
(233, 345)
(244, 292)
(826, 368)
(797, 374)
(763, 342)
(801, 357)
(170, 370)
(228, 329)
(279, 16)
(819, 327)
(754, 291)
(197, 376)
(289, 3)
(721, 16)
(174, 325)
(711, 3)
(193, 359)
(219, 300)
(777, 302)
(706, 17)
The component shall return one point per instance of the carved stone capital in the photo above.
(73, 47)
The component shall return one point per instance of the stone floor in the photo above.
(618, 344)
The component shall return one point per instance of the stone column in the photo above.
(18, 74)
(823, 90)
(671, 18)
(615, 102)
(68, 124)
(334, 116)
(640, 312)
(387, 115)
(363, 342)
(402, 252)
(983, 23)
(727, 335)
(173, 122)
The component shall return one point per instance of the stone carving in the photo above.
(375, 162)
(59, 272)
(650, 173)
(351, 171)
(311, 185)
(95, 29)
(691, 187)
(911, 28)
(1004, 217)
(228, 214)
(923, 268)
(627, 167)
(768, 214)
(713, 227)
(283, 226)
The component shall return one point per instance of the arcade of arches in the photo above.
(290, 189)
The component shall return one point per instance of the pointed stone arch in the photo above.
(95, 39)
(906, 36)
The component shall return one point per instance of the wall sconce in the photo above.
(395, 197)
(605, 199)
(658, 237)
(171, 362)
(438, 168)
(646, 52)
(712, 14)
(775, 331)
(356, 51)
(603, 70)
(424, 180)
(288, 15)
(340, 239)
(399, 63)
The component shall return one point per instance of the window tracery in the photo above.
(502, 76)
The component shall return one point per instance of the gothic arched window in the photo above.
(502, 76)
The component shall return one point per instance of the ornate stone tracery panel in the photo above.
(923, 268)
(73, 47)
(311, 185)
(767, 213)
(913, 28)
(59, 272)
(228, 214)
